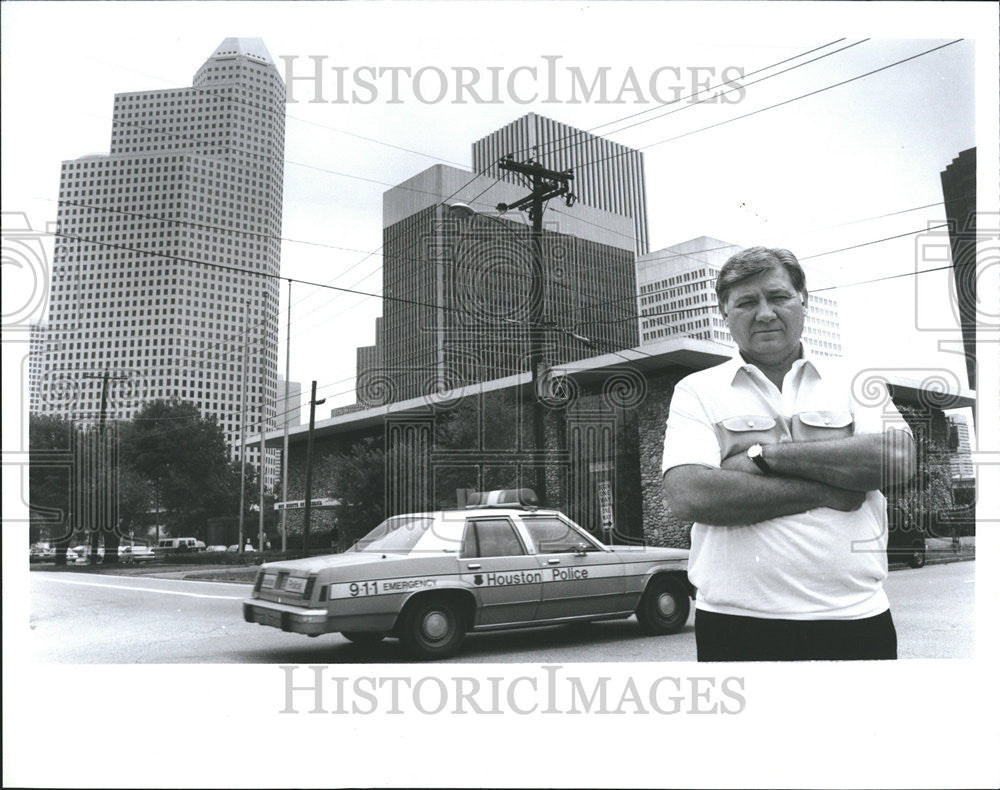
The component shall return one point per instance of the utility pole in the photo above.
(284, 419)
(243, 427)
(313, 403)
(103, 473)
(545, 185)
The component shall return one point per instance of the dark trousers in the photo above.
(727, 637)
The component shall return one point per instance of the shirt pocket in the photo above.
(810, 426)
(738, 433)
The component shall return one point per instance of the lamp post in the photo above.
(306, 516)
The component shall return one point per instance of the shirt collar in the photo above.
(737, 364)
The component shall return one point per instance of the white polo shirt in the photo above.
(821, 564)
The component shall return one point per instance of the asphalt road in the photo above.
(85, 618)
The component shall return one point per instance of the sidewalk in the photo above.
(223, 573)
(939, 551)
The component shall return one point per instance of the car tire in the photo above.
(363, 637)
(432, 628)
(664, 607)
(917, 556)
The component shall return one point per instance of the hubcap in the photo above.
(435, 625)
(666, 605)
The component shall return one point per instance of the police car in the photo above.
(502, 562)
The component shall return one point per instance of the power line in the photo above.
(874, 241)
(571, 137)
(774, 106)
(804, 95)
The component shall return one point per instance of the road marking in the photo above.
(145, 589)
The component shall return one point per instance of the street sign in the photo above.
(607, 510)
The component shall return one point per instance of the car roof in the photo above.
(477, 512)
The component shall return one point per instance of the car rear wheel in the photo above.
(664, 607)
(363, 637)
(432, 628)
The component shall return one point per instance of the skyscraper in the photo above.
(167, 250)
(289, 412)
(958, 183)
(456, 290)
(606, 175)
(677, 298)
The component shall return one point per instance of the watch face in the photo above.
(755, 451)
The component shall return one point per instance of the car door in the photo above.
(579, 576)
(495, 563)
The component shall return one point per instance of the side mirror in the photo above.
(581, 549)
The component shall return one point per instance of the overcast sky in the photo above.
(815, 174)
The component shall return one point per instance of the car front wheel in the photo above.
(917, 556)
(432, 628)
(664, 607)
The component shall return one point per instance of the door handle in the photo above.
(474, 566)
(554, 561)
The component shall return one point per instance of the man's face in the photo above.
(765, 315)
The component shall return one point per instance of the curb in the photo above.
(929, 560)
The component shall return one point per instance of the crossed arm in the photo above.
(835, 473)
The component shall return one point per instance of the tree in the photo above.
(50, 442)
(480, 425)
(184, 460)
(357, 480)
(929, 492)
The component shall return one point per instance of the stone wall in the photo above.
(660, 527)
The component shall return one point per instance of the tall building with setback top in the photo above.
(167, 251)
(677, 298)
(958, 183)
(606, 175)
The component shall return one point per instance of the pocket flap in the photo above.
(751, 422)
(826, 419)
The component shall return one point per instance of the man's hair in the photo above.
(751, 262)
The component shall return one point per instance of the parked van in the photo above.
(167, 545)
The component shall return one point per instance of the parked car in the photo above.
(175, 545)
(236, 547)
(78, 555)
(41, 552)
(135, 553)
(502, 562)
(906, 541)
(217, 547)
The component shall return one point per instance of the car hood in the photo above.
(347, 559)
(650, 552)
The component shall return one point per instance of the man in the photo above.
(779, 466)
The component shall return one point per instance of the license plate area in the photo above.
(295, 584)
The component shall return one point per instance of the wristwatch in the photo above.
(755, 452)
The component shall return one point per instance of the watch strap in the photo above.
(758, 459)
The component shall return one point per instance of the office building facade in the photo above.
(167, 252)
(677, 298)
(289, 410)
(606, 175)
(456, 290)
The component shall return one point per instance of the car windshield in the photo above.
(396, 535)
